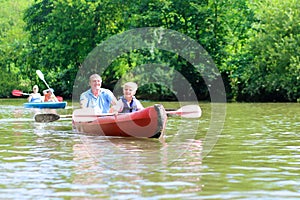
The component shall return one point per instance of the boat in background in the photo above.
(149, 122)
(51, 105)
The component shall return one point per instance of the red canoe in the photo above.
(149, 122)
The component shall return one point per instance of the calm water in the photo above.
(256, 156)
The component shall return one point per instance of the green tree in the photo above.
(237, 18)
(186, 18)
(274, 73)
(13, 44)
(252, 43)
(64, 32)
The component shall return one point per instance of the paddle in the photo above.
(188, 111)
(46, 117)
(18, 93)
(51, 117)
(41, 76)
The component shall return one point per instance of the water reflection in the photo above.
(253, 154)
(135, 165)
(256, 156)
(123, 153)
(49, 160)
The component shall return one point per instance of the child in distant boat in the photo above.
(35, 96)
(49, 96)
(128, 103)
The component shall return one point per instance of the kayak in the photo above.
(149, 122)
(53, 105)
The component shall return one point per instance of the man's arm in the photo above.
(83, 101)
(115, 105)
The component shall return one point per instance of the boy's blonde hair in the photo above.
(132, 85)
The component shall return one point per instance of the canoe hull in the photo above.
(149, 122)
(51, 105)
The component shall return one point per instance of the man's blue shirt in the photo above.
(100, 104)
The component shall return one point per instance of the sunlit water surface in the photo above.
(257, 156)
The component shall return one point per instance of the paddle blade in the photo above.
(88, 115)
(40, 74)
(17, 93)
(84, 115)
(188, 111)
(46, 117)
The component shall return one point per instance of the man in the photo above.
(98, 98)
(35, 96)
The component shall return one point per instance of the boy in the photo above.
(128, 103)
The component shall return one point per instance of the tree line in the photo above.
(254, 44)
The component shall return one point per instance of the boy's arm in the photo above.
(139, 105)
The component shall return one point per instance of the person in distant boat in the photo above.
(35, 96)
(49, 96)
(100, 99)
(128, 103)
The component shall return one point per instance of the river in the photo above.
(254, 154)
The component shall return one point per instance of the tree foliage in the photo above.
(274, 70)
(254, 44)
(13, 46)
